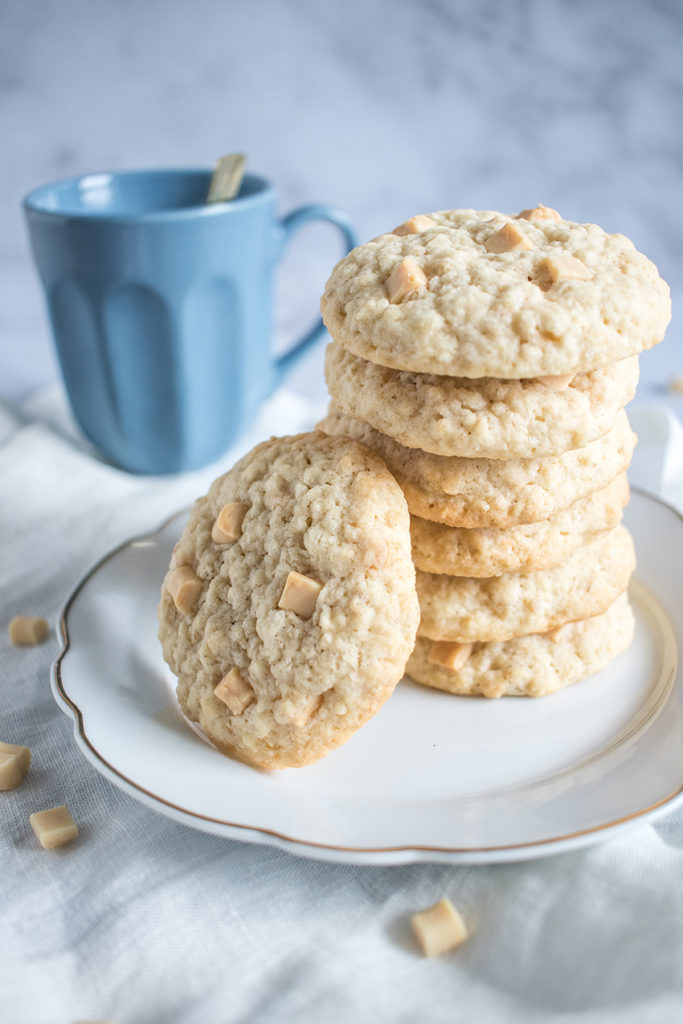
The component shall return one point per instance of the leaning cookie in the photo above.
(528, 666)
(289, 609)
(471, 293)
(497, 493)
(502, 607)
(492, 552)
(483, 418)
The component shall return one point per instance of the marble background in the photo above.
(383, 107)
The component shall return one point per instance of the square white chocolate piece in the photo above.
(228, 524)
(557, 381)
(54, 827)
(539, 213)
(25, 630)
(14, 764)
(449, 654)
(234, 692)
(562, 267)
(415, 225)
(300, 715)
(508, 239)
(438, 928)
(185, 588)
(300, 595)
(407, 277)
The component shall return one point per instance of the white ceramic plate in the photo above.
(432, 776)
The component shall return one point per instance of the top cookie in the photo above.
(472, 293)
(289, 609)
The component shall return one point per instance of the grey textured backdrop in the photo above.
(384, 107)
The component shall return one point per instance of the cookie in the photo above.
(492, 552)
(480, 294)
(485, 418)
(289, 609)
(493, 493)
(534, 665)
(502, 607)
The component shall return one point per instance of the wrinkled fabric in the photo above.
(144, 921)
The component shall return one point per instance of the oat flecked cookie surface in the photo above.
(492, 552)
(481, 294)
(493, 492)
(303, 612)
(501, 607)
(534, 665)
(485, 418)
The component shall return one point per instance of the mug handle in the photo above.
(288, 225)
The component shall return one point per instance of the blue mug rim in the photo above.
(34, 201)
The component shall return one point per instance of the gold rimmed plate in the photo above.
(432, 777)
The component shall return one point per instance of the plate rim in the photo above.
(404, 853)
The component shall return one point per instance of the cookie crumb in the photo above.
(26, 630)
(438, 928)
(676, 384)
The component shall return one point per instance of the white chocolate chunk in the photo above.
(25, 629)
(228, 524)
(540, 212)
(507, 239)
(438, 928)
(234, 692)
(557, 381)
(14, 764)
(407, 277)
(415, 225)
(54, 828)
(184, 586)
(300, 594)
(562, 267)
(449, 654)
(300, 714)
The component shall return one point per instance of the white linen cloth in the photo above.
(144, 921)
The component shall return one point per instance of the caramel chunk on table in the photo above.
(15, 762)
(26, 629)
(438, 928)
(54, 827)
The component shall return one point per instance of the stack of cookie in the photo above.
(488, 360)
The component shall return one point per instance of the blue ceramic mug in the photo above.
(161, 308)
